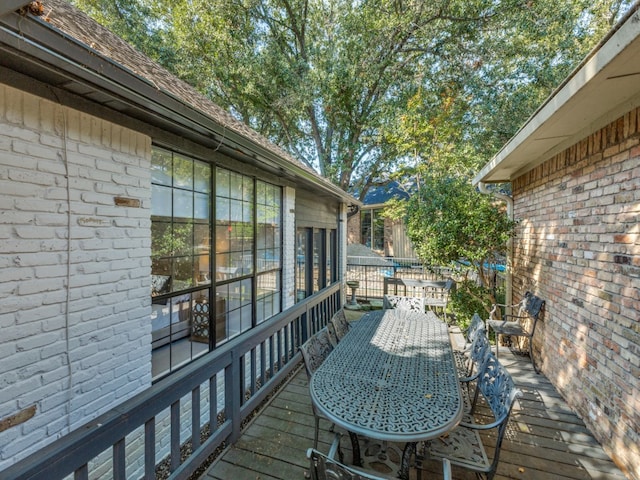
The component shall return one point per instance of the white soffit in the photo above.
(605, 87)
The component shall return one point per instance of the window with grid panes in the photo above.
(190, 314)
(180, 258)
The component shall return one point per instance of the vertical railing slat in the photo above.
(195, 418)
(287, 329)
(119, 460)
(279, 349)
(81, 473)
(213, 403)
(233, 395)
(241, 377)
(175, 435)
(150, 449)
(263, 363)
(253, 370)
(272, 354)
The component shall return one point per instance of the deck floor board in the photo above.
(544, 440)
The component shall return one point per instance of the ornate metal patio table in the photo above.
(391, 378)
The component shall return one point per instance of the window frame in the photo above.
(203, 264)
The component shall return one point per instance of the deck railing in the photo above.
(248, 368)
(371, 272)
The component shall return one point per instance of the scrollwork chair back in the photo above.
(403, 303)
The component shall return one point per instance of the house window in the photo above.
(189, 315)
(248, 253)
(332, 258)
(269, 241)
(180, 244)
(317, 260)
(372, 229)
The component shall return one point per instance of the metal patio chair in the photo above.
(333, 336)
(475, 324)
(438, 297)
(521, 324)
(463, 445)
(462, 355)
(314, 351)
(473, 364)
(403, 303)
(326, 467)
(339, 325)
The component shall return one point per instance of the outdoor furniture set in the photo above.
(393, 378)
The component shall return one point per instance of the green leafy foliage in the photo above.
(359, 89)
(450, 223)
(469, 298)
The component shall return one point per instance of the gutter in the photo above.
(482, 186)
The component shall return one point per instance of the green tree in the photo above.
(450, 223)
(331, 82)
(325, 80)
(495, 79)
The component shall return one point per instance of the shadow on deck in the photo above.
(544, 441)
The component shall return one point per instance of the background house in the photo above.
(370, 228)
(574, 168)
(141, 226)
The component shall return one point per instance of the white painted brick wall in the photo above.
(288, 247)
(342, 250)
(74, 268)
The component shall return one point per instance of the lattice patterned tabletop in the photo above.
(392, 377)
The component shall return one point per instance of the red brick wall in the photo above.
(578, 246)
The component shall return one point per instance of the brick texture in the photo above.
(74, 289)
(578, 246)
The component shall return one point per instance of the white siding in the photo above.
(288, 247)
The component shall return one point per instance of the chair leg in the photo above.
(355, 448)
(533, 362)
(317, 432)
(497, 343)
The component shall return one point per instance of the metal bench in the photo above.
(521, 324)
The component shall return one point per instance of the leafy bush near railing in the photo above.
(467, 299)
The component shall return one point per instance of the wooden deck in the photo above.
(544, 441)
